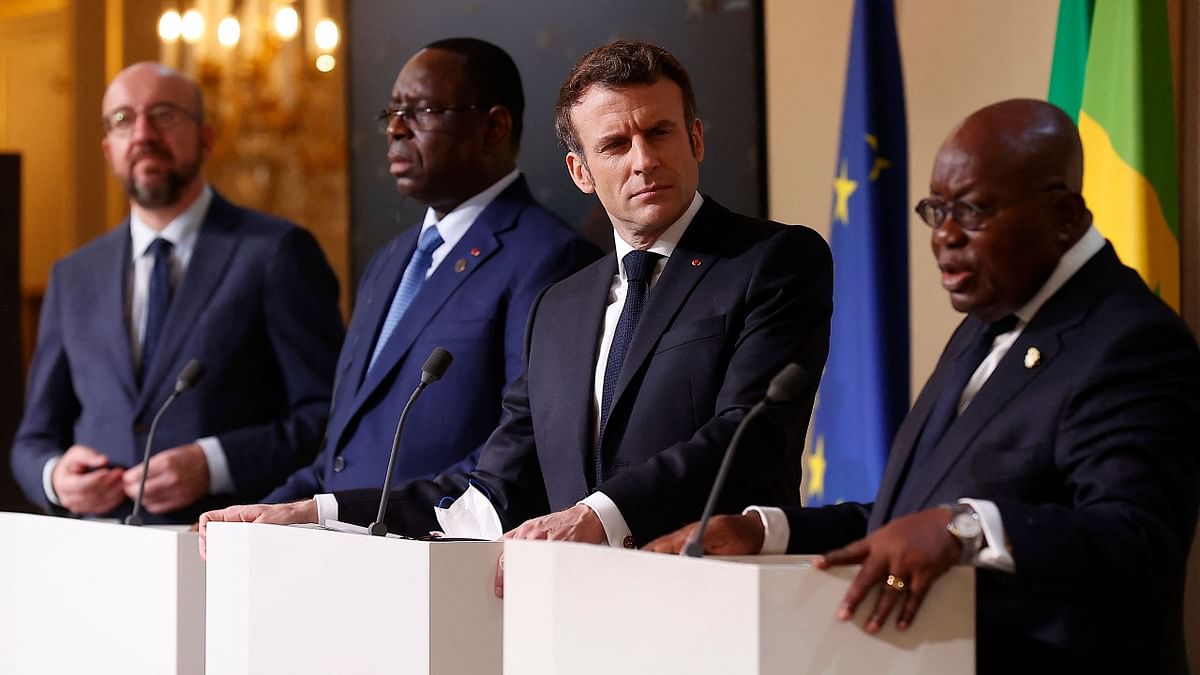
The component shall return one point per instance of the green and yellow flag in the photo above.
(1125, 102)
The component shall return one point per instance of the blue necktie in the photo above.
(410, 283)
(945, 408)
(158, 301)
(639, 267)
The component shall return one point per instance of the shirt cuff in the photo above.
(776, 530)
(994, 554)
(615, 527)
(220, 481)
(48, 480)
(327, 508)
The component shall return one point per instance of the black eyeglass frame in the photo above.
(122, 121)
(410, 115)
(968, 216)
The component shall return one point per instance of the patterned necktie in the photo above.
(158, 301)
(639, 267)
(945, 408)
(410, 283)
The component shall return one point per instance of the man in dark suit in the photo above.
(1054, 446)
(188, 276)
(639, 367)
(453, 130)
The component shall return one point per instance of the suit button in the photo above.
(339, 464)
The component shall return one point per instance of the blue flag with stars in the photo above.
(864, 391)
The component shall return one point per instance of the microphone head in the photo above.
(787, 384)
(189, 376)
(436, 365)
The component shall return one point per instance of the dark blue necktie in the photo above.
(158, 301)
(945, 408)
(639, 267)
(410, 283)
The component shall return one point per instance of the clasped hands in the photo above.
(903, 559)
(86, 484)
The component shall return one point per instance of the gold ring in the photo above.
(895, 583)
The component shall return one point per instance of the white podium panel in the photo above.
(579, 609)
(294, 600)
(80, 596)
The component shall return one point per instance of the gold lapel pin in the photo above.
(460, 265)
(1032, 357)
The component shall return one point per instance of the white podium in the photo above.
(579, 609)
(293, 600)
(81, 596)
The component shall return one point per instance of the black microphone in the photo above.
(188, 377)
(435, 367)
(785, 386)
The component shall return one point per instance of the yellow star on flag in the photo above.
(844, 187)
(880, 163)
(814, 469)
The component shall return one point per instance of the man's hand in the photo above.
(84, 482)
(304, 511)
(578, 523)
(725, 535)
(912, 552)
(177, 477)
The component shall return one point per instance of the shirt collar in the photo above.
(455, 224)
(181, 231)
(666, 242)
(1076, 257)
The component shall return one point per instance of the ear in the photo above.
(1073, 217)
(698, 140)
(500, 125)
(580, 174)
(207, 136)
(107, 150)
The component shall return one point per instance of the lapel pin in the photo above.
(475, 252)
(1032, 357)
(695, 262)
(461, 264)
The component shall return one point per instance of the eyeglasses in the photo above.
(422, 119)
(161, 116)
(969, 217)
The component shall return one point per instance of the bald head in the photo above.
(1005, 204)
(151, 74)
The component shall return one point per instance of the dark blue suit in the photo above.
(738, 299)
(475, 305)
(1091, 456)
(257, 306)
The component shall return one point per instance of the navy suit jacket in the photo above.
(738, 299)
(1091, 456)
(475, 305)
(257, 306)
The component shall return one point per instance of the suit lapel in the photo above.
(112, 280)
(687, 265)
(215, 247)
(479, 244)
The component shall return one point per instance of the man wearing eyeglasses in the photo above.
(463, 280)
(1055, 444)
(188, 276)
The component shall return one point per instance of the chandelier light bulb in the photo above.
(326, 63)
(326, 35)
(287, 22)
(192, 26)
(229, 31)
(169, 26)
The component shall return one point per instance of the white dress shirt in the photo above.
(995, 553)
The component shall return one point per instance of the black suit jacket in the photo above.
(1091, 455)
(257, 306)
(738, 299)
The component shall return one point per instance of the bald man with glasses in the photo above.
(187, 276)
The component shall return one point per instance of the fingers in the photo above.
(888, 596)
(867, 579)
(499, 587)
(672, 543)
(96, 492)
(847, 555)
(916, 595)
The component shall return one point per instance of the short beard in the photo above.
(165, 193)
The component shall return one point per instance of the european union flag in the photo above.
(864, 392)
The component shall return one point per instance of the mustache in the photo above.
(149, 151)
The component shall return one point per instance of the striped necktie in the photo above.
(410, 283)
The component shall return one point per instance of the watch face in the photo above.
(966, 526)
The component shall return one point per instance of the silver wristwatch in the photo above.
(966, 526)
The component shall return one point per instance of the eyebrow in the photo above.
(662, 124)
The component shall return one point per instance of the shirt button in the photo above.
(339, 464)
(628, 542)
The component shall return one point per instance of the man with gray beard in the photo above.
(187, 276)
